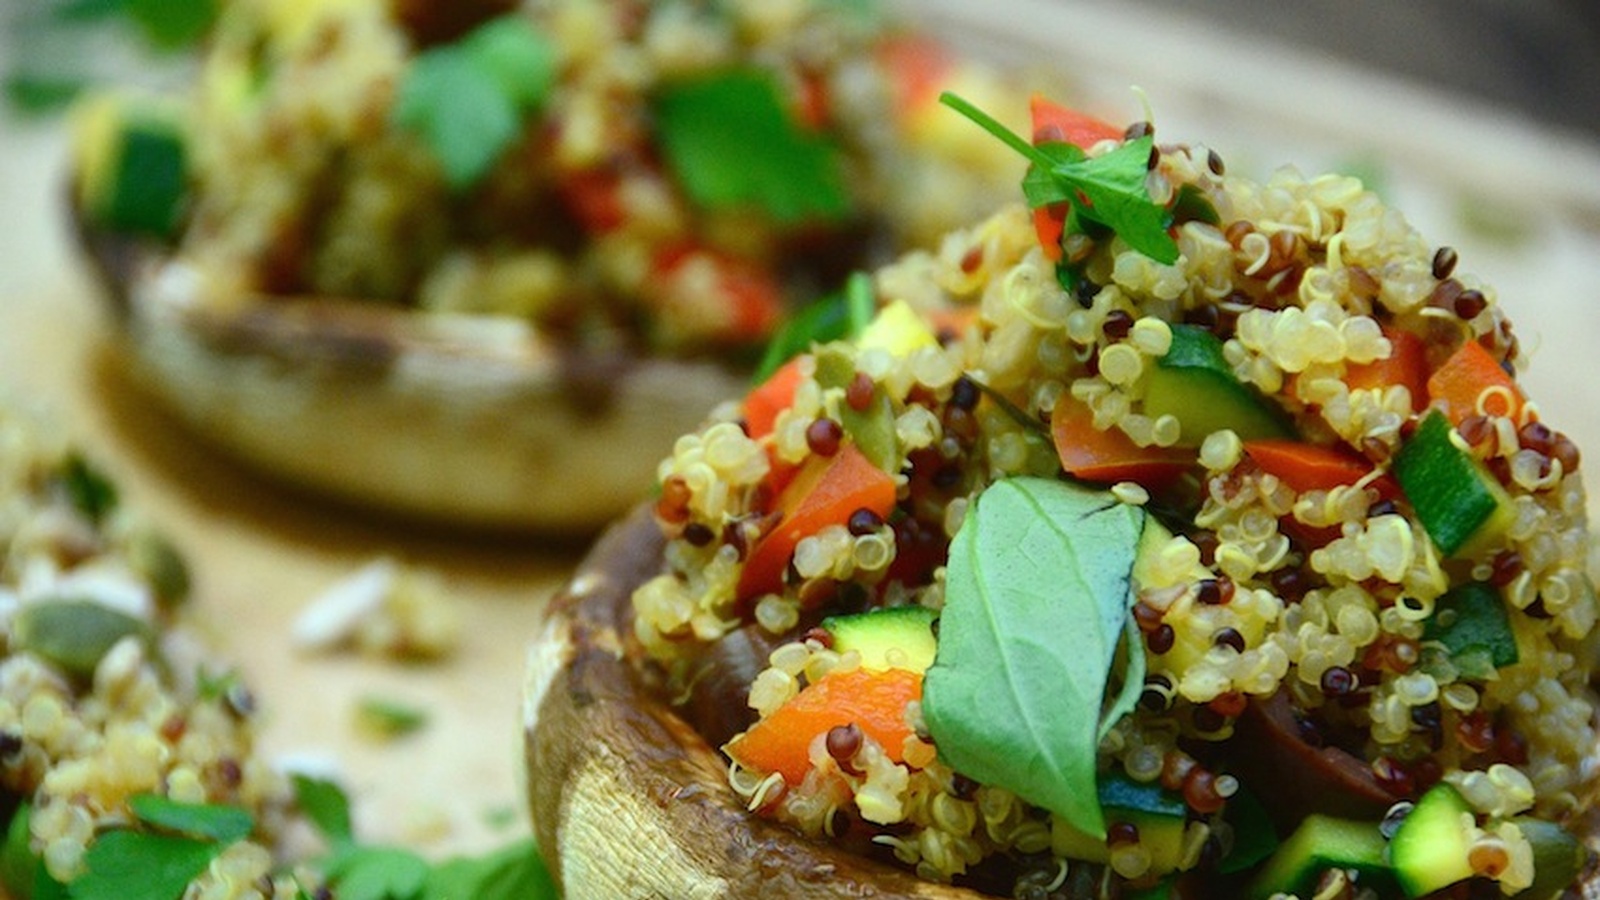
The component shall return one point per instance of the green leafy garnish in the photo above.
(92, 493)
(225, 824)
(468, 100)
(326, 805)
(1106, 190)
(514, 872)
(377, 873)
(838, 316)
(130, 864)
(388, 718)
(171, 24)
(1036, 602)
(731, 143)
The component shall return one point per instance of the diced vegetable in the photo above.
(1429, 850)
(744, 304)
(771, 397)
(1406, 364)
(1455, 497)
(918, 66)
(825, 492)
(875, 702)
(73, 634)
(1195, 384)
(1310, 467)
(1472, 623)
(1091, 454)
(1320, 843)
(872, 426)
(1558, 857)
(1054, 123)
(1159, 816)
(898, 330)
(1471, 377)
(901, 633)
(731, 142)
(134, 174)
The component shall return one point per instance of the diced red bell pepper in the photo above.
(745, 307)
(825, 491)
(594, 198)
(918, 68)
(1091, 454)
(873, 701)
(1053, 122)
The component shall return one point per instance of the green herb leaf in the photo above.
(91, 492)
(514, 872)
(225, 824)
(838, 316)
(467, 100)
(377, 873)
(132, 865)
(172, 24)
(1132, 681)
(388, 718)
(1108, 189)
(326, 805)
(1036, 600)
(731, 143)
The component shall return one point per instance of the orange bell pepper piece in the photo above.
(1310, 467)
(874, 701)
(771, 397)
(1091, 454)
(918, 68)
(1455, 388)
(1406, 364)
(825, 491)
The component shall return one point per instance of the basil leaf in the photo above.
(226, 824)
(730, 142)
(1037, 593)
(1132, 680)
(377, 873)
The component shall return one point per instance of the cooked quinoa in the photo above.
(307, 179)
(104, 696)
(1323, 600)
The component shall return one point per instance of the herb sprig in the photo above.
(1038, 589)
(1106, 190)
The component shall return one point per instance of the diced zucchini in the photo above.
(1318, 844)
(1458, 502)
(872, 427)
(1159, 815)
(1472, 623)
(1558, 857)
(133, 169)
(1429, 849)
(1194, 384)
(889, 637)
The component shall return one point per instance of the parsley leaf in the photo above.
(133, 865)
(386, 718)
(731, 143)
(1108, 189)
(225, 824)
(377, 873)
(172, 24)
(467, 100)
(514, 872)
(91, 491)
(841, 314)
(326, 805)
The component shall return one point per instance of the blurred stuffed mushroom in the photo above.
(531, 238)
(1195, 540)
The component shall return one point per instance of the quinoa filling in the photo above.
(1352, 557)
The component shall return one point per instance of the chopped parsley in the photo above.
(468, 100)
(157, 861)
(1106, 191)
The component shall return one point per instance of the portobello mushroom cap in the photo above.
(627, 798)
(469, 420)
